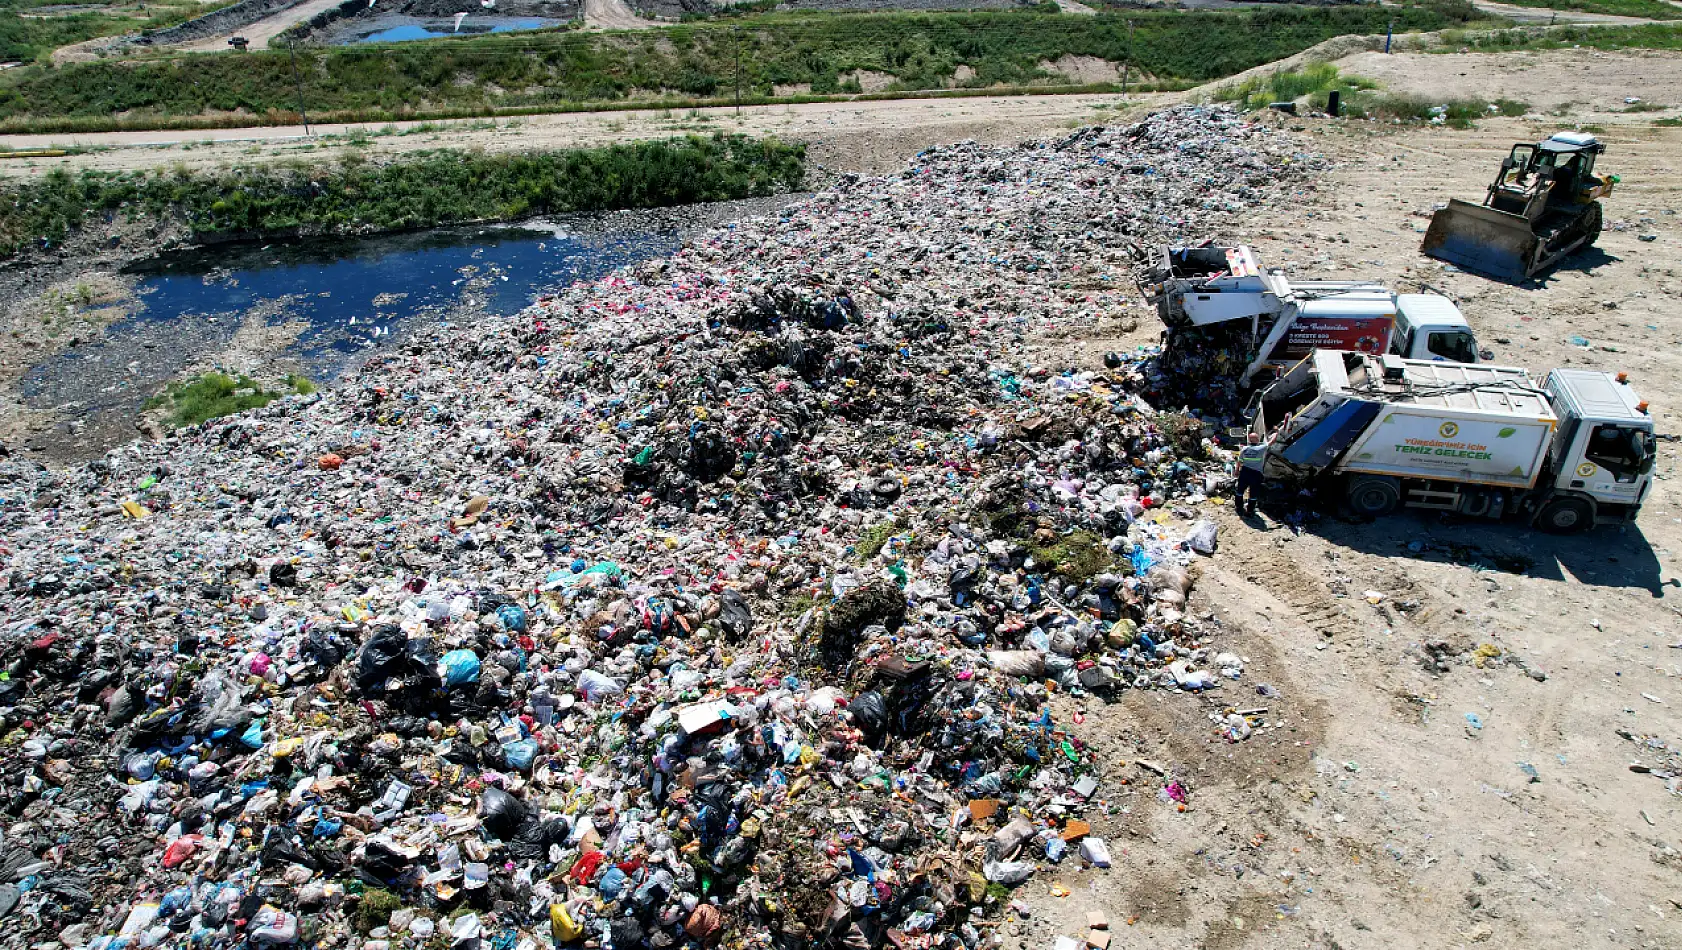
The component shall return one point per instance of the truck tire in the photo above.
(1374, 495)
(1565, 516)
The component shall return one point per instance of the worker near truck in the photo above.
(1251, 458)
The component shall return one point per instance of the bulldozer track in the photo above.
(1315, 606)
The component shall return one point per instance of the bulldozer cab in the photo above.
(1535, 177)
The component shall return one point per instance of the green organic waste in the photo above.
(1078, 555)
(375, 909)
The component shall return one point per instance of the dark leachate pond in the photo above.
(314, 306)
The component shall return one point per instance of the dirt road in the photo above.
(872, 135)
(1531, 16)
(263, 30)
(613, 15)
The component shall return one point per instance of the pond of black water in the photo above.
(314, 306)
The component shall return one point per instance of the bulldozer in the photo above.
(1543, 205)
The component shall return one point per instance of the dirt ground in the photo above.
(1469, 761)
(1394, 803)
(870, 136)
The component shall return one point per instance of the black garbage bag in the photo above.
(408, 727)
(712, 812)
(869, 710)
(734, 616)
(383, 657)
(283, 574)
(502, 814)
(909, 703)
(381, 864)
(708, 456)
(283, 849)
(627, 933)
(324, 648)
(532, 841)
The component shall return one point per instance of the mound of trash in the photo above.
(721, 600)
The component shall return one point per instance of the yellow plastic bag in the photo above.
(561, 925)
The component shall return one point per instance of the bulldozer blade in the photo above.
(1480, 239)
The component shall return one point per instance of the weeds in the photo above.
(422, 189)
(1455, 113)
(214, 395)
(873, 539)
(1290, 85)
(1361, 96)
(1644, 36)
(1078, 555)
(33, 38)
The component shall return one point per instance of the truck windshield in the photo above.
(1456, 346)
(1624, 451)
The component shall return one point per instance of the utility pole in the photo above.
(738, 32)
(292, 53)
(1127, 61)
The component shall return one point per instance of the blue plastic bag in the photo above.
(253, 735)
(458, 667)
(520, 753)
(513, 617)
(612, 884)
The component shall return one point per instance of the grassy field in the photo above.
(421, 190)
(27, 35)
(781, 57)
(1650, 9)
(1644, 36)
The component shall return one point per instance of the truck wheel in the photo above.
(1374, 495)
(1565, 515)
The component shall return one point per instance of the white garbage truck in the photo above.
(1221, 298)
(1478, 440)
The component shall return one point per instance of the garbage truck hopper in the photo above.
(1412, 420)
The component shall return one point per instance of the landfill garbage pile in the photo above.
(721, 601)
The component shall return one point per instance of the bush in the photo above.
(422, 189)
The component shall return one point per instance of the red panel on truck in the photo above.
(1363, 334)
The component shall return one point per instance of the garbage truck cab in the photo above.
(1602, 463)
(1478, 440)
(1431, 327)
